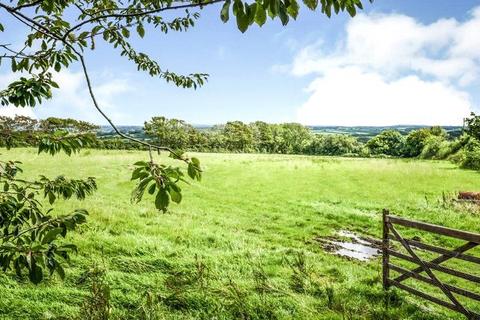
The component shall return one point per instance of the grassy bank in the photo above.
(242, 244)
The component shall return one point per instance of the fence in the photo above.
(391, 234)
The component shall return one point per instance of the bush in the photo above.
(388, 142)
(472, 155)
(457, 158)
(417, 140)
(432, 147)
(333, 145)
(472, 160)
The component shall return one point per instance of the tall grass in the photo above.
(241, 245)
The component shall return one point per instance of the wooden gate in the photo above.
(450, 291)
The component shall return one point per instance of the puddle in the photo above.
(356, 247)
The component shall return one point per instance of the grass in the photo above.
(241, 245)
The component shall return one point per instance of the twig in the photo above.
(138, 14)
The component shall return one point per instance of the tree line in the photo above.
(262, 137)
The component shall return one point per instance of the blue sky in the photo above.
(398, 62)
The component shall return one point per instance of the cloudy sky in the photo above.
(398, 62)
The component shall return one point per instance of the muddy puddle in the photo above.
(348, 244)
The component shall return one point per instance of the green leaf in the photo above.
(351, 10)
(293, 9)
(195, 161)
(282, 13)
(176, 195)
(260, 16)
(311, 4)
(242, 22)
(327, 10)
(35, 274)
(250, 12)
(151, 189)
(336, 7)
(125, 32)
(274, 7)
(140, 31)
(191, 170)
(60, 270)
(162, 200)
(137, 173)
(51, 197)
(242, 18)
(1, 28)
(51, 235)
(224, 13)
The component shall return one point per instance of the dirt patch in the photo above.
(348, 244)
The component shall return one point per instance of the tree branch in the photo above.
(31, 23)
(45, 31)
(104, 115)
(27, 5)
(139, 14)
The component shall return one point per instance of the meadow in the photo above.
(242, 244)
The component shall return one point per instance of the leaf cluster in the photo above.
(257, 12)
(61, 140)
(30, 235)
(162, 181)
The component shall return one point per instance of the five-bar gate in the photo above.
(451, 292)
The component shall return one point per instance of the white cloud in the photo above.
(350, 96)
(73, 100)
(392, 69)
(11, 111)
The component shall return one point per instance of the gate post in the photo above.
(385, 246)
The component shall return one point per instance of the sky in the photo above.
(403, 62)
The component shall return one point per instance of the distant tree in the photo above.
(237, 136)
(333, 145)
(198, 141)
(472, 155)
(416, 140)
(215, 140)
(473, 126)
(388, 142)
(53, 124)
(263, 136)
(438, 131)
(294, 138)
(18, 131)
(433, 145)
(173, 133)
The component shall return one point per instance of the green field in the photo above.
(242, 243)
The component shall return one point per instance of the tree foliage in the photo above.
(389, 142)
(29, 233)
(334, 145)
(473, 126)
(416, 140)
(169, 132)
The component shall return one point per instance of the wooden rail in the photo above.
(390, 233)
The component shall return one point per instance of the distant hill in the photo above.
(363, 133)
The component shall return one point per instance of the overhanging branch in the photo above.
(48, 33)
(139, 14)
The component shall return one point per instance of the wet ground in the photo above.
(348, 244)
